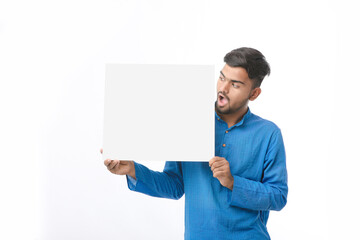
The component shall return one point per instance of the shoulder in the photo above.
(263, 124)
(267, 131)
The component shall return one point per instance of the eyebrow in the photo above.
(237, 81)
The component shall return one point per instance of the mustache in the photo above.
(222, 93)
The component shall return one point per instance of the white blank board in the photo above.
(159, 112)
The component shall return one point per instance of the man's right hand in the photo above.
(120, 167)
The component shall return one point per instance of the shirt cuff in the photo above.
(131, 182)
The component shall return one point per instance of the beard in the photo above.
(228, 109)
(223, 110)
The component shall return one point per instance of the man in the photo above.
(229, 197)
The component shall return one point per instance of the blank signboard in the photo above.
(159, 112)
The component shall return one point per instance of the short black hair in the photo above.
(252, 60)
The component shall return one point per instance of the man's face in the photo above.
(234, 90)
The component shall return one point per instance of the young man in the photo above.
(229, 197)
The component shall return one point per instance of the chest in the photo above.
(244, 150)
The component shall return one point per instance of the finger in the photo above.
(222, 168)
(218, 164)
(214, 159)
(113, 164)
(211, 162)
(107, 162)
(116, 168)
(218, 174)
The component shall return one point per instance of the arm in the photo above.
(271, 192)
(166, 184)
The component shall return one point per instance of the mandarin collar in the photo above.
(246, 116)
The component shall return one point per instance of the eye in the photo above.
(235, 86)
(221, 78)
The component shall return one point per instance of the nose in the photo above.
(225, 86)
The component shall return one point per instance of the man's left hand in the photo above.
(221, 170)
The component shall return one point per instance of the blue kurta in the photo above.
(255, 150)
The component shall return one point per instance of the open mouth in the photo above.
(222, 100)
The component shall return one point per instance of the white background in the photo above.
(52, 71)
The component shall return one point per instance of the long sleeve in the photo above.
(271, 192)
(166, 184)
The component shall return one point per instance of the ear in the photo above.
(254, 93)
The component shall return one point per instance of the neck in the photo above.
(234, 118)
